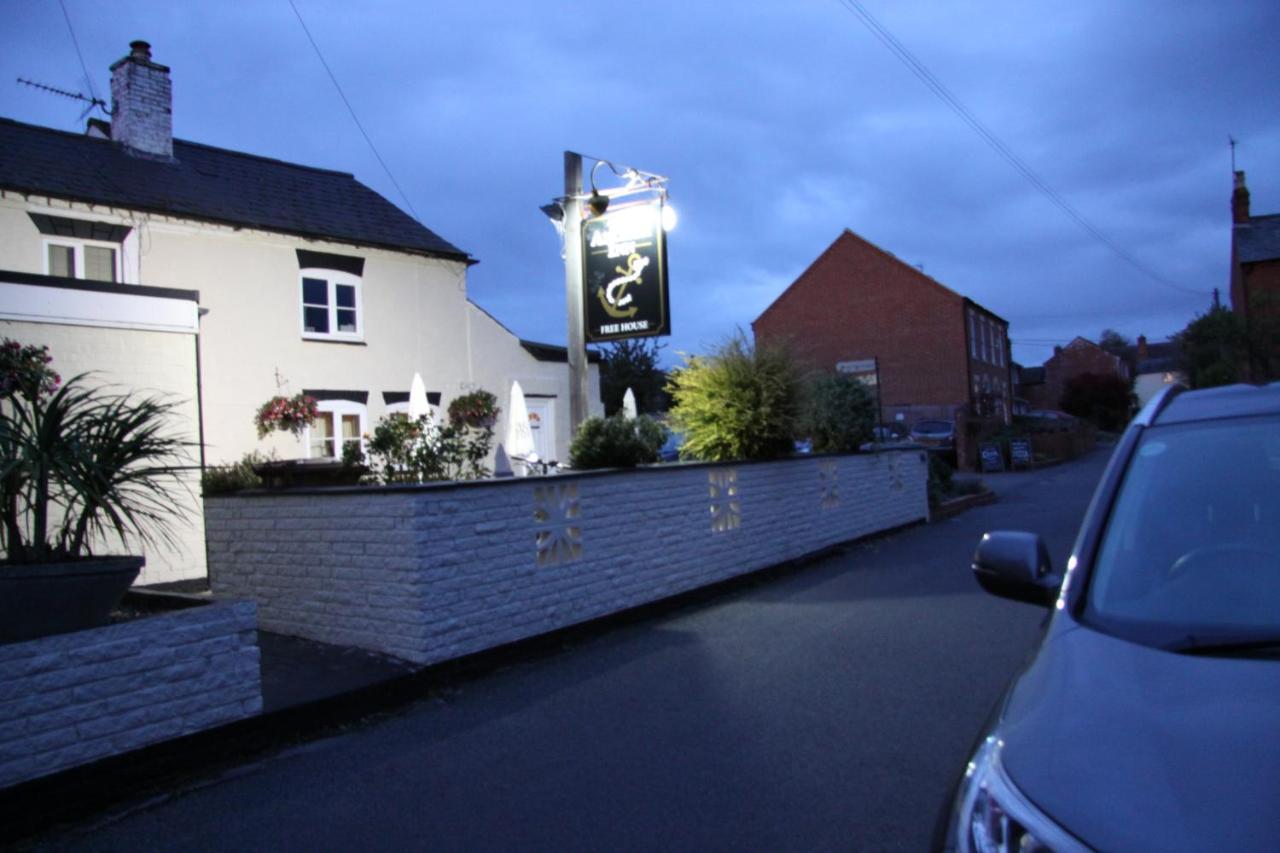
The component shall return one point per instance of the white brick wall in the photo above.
(435, 572)
(74, 698)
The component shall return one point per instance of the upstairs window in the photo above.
(81, 248)
(331, 305)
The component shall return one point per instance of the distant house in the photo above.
(1155, 366)
(930, 352)
(307, 280)
(1078, 357)
(1255, 280)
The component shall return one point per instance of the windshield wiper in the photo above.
(1246, 645)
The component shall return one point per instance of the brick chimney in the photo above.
(1142, 347)
(142, 104)
(1240, 200)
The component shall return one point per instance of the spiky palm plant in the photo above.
(78, 464)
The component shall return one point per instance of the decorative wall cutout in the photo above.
(726, 511)
(896, 481)
(558, 538)
(827, 475)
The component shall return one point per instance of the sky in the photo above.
(779, 124)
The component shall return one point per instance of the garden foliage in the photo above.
(616, 442)
(415, 450)
(839, 414)
(740, 402)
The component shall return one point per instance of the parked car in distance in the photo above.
(670, 450)
(1148, 717)
(939, 435)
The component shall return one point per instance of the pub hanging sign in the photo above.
(624, 268)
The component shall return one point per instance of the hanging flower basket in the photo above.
(286, 414)
(477, 409)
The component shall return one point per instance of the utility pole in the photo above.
(573, 291)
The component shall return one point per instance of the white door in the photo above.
(543, 426)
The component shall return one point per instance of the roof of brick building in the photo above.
(1258, 239)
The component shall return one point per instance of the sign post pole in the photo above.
(573, 291)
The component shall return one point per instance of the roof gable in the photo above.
(212, 184)
(849, 244)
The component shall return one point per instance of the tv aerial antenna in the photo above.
(75, 96)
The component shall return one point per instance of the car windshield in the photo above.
(1191, 552)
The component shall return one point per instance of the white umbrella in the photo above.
(418, 405)
(519, 441)
(629, 405)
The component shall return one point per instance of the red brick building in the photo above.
(1076, 358)
(931, 352)
(1255, 281)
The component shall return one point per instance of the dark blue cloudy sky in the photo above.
(779, 124)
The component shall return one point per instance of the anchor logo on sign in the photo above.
(614, 297)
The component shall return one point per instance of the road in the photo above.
(826, 709)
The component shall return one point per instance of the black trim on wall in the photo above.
(361, 397)
(325, 261)
(81, 229)
(390, 398)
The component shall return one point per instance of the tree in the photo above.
(840, 413)
(1215, 348)
(633, 364)
(1116, 344)
(1103, 398)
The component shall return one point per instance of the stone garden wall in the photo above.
(74, 698)
(434, 572)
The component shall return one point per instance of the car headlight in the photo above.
(991, 814)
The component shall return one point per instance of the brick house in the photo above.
(1255, 280)
(1076, 358)
(929, 351)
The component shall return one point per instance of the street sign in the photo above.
(1020, 452)
(625, 271)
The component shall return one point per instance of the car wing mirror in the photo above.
(1015, 565)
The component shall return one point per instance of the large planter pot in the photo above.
(291, 473)
(39, 599)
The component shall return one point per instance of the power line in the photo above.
(994, 142)
(351, 110)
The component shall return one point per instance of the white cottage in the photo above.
(307, 280)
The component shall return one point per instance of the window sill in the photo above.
(326, 339)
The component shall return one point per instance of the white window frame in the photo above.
(338, 408)
(77, 246)
(333, 278)
(973, 335)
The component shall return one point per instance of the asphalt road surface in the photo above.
(826, 709)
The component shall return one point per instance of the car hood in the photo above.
(1133, 748)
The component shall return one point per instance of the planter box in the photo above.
(434, 572)
(308, 473)
(75, 698)
(42, 599)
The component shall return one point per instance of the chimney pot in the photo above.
(140, 50)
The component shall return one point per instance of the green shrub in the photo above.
(616, 442)
(741, 402)
(414, 450)
(840, 413)
(224, 479)
(940, 479)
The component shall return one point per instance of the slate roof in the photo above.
(211, 184)
(1259, 240)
